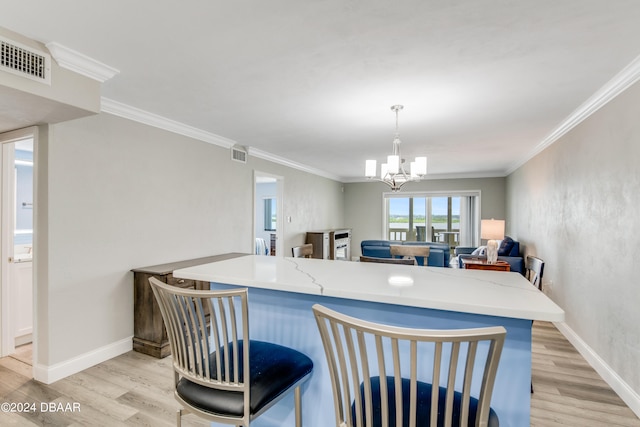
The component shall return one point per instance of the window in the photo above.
(451, 218)
(270, 214)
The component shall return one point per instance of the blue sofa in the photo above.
(439, 253)
(508, 251)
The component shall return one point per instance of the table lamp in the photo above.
(492, 230)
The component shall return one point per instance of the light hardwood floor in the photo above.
(135, 390)
(567, 391)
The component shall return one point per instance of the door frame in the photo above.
(279, 209)
(7, 343)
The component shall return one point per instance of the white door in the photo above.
(16, 240)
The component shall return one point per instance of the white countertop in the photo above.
(493, 293)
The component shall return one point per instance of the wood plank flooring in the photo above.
(567, 391)
(135, 390)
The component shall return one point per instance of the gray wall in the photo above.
(115, 194)
(576, 206)
(363, 203)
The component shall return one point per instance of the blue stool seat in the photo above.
(423, 404)
(274, 368)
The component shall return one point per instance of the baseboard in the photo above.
(626, 393)
(24, 339)
(50, 374)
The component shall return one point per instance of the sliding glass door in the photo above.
(451, 218)
(406, 218)
(445, 220)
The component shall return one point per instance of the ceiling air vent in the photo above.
(25, 61)
(238, 154)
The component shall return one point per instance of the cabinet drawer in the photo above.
(182, 283)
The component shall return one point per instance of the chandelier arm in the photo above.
(392, 183)
(402, 185)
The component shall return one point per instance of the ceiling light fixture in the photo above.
(393, 173)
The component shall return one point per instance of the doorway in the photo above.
(267, 219)
(17, 238)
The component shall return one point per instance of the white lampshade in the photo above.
(370, 168)
(421, 166)
(383, 170)
(492, 229)
(393, 164)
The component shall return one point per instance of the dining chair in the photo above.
(261, 247)
(219, 373)
(534, 269)
(379, 372)
(411, 252)
(304, 251)
(400, 261)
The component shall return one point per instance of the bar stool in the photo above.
(220, 374)
(374, 372)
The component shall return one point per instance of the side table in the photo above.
(149, 333)
(482, 264)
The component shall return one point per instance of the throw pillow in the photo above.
(482, 250)
(505, 246)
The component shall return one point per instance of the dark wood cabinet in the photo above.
(149, 333)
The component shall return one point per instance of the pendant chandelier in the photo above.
(393, 172)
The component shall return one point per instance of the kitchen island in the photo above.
(282, 291)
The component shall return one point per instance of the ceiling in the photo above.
(483, 82)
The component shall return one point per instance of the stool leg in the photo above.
(298, 406)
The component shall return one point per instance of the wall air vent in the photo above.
(25, 61)
(239, 154)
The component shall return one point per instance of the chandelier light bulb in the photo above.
(383, 171)
(370, 168)
(421, 166)
(393, 164)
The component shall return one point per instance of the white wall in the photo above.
(123, 195)
(576, 206)
(363, 203)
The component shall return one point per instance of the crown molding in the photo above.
(467, 175)
(126, 111)
(618, 84)
(614, 87)
(137, 115)
(254, 152)
(440, 176)
(81, 64)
